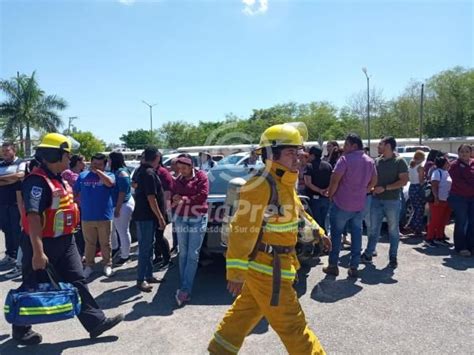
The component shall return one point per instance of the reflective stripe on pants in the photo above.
(287, 319)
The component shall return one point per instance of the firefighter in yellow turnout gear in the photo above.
(252, 250)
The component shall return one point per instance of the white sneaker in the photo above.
(87, 272)
(7, 260)
(108, 271)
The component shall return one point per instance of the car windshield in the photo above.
(407, 159)
(230, 159)
(219, 179)
(414, 149)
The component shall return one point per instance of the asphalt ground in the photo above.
(426, 306)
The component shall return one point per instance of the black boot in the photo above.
(107, 324)
(26, 336)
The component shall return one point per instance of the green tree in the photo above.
(319, 117)
(346, 123)
(286, 112)
(449, 103)
(90, 144)
(405, 111)
(140, 138)
(178, 134)
(27, 107)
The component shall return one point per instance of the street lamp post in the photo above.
(151, 114)
(364, 70)
(69, 124)
(421, 112)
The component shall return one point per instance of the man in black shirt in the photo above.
(12, 171)
(149, 214)
(317, 177)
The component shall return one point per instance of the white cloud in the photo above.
(127, 2)
(255, 7)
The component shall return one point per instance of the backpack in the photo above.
(428, 189)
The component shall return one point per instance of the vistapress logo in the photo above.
(228, 139)
(228, 134)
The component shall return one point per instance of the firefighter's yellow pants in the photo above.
(287, 319)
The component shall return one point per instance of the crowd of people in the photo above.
(107, 205)
(346, 189)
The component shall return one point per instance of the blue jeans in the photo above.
(146, 237)
(391, 210)
(463, 208)
(320, 208)
(339, 220)
(403, 210)
(366, 212)
(190, 231)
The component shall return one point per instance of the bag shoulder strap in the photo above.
(53, 276)
(440, 173)
(273, 200)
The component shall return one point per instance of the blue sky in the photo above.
(200, 60)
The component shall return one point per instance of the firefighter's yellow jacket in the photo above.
(280, 230)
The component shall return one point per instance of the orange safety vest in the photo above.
(62, 217)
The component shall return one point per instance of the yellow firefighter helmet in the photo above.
(56, 141)
(286, 134)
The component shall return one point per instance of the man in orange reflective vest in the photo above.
(50, 217)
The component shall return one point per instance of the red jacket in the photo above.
(463, 178)
(194, 192)
(166, 179)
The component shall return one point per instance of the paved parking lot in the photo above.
(426, 306)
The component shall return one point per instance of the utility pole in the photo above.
(421, 112)
(364, 70)
(151, 115)
(69, 124)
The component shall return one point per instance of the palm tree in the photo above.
(27, 107)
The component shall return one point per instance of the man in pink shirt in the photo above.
(354, 175)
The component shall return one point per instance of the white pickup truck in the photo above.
(412, 148)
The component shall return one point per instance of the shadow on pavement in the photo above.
(458, 262)
(12, 347)
(411, 240)
(437, 251)
(127, 273)
(209, 277)
(118, 296)
(344, 260)
(330, 290)
(301, 286)
(370, 275)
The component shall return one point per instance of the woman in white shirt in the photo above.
(416, 176)
(440, 210)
